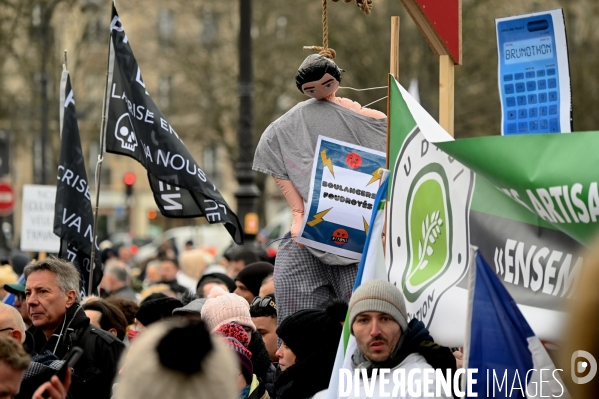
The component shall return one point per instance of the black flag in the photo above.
(136, 128)
(73, 215)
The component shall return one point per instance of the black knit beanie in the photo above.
(157, 309)
(253, 274)
(228, 281)
(311, 331)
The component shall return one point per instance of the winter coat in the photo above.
(258, 389)
(40, 370)
(416, 350)
(97, 367)
(263, 367)
(412, 361)
(305, 378)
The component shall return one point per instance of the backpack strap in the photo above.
(439, 357)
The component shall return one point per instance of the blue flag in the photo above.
(9, 298)
(511, 360)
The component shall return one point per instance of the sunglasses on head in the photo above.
(263, 302)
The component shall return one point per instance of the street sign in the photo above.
(7, 199)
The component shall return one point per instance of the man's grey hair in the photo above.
(118, 272)
(67, 275)
(110, 262)
(154, 263)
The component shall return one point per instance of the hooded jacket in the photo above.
(97, 367)
(416, 350)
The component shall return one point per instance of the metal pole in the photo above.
(99, 171)
(247, 192)
(45, 21)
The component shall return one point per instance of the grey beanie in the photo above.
(378, 296)
(194, 306)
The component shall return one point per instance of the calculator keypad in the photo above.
(531, 101)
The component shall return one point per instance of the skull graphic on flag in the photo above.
(124, 133)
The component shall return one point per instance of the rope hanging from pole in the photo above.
(324, 50)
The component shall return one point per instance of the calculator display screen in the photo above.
(528, 50)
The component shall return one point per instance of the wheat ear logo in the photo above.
(429, 229)
(428, 232)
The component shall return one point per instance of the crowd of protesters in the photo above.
(192, 326)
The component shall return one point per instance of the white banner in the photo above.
(37, 221)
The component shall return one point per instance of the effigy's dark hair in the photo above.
(314, 67)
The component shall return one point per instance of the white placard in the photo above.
(534, 74)
(37, 219)
(345, 180)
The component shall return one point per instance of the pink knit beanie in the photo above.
(222, 307)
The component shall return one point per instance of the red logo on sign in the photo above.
(340, 237)
(353, 160)
(7, 199)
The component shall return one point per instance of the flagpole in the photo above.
(393, 74)
(62, 96)
(98, 176)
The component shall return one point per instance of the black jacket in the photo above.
(263, 367)
(176, 288)
(305, 378)
(419, 340)
(94, 372)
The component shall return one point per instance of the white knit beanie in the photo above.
(222, 307)
(145, 376)
(379, 296)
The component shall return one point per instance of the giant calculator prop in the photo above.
(534, 78)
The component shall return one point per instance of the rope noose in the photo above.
(325, 50)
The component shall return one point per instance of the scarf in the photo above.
(245, 392)
(61, 341)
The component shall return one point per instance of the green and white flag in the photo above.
(527, 203)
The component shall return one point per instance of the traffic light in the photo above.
(129, 180)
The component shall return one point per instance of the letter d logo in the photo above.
(579, 366)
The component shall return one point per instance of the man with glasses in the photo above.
(11, 323)
(18, 290)
(264, 316)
